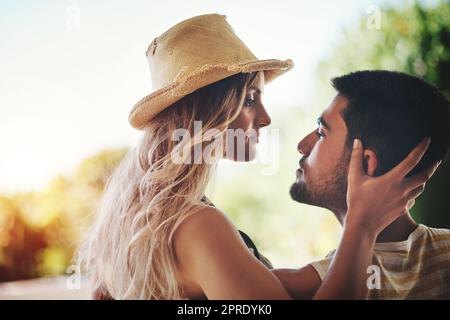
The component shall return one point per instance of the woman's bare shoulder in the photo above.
(201, 222)
(205, 230)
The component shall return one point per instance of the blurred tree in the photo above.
(75, 200)
(19, 243)
(39, 231)
(414, 39)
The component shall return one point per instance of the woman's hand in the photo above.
(375, 202)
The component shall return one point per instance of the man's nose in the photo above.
(305, 145)
(301, 148)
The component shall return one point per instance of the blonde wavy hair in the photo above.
(129, 251)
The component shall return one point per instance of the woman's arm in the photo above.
(210, 253)
(302, 284)
(373, 204)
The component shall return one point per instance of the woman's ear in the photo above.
(370, 162)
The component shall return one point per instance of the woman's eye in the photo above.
(249, 102)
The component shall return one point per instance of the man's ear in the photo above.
(370, 162)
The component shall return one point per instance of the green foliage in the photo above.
(414, 39)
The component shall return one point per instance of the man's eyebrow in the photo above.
(256, 89)
(321, 122)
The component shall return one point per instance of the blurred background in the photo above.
(72, 70)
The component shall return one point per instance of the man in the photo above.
(390, 112)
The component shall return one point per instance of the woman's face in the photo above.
(243, 132)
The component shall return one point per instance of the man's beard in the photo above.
(331, 190)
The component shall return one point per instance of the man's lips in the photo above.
(300, 170)
(300, 164)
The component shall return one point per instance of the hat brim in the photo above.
(149, 106)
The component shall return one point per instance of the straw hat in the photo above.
(193, 54)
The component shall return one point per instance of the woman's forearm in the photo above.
(347, 276)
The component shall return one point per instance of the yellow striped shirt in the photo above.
(417, 268)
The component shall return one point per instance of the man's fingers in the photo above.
(421, 177)
(356, 160)
(411, 161)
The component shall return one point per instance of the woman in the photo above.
(157, 236)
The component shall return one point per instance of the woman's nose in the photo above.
(263, 118)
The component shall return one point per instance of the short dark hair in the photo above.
(391, 112)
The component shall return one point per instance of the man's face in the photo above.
(322, 176)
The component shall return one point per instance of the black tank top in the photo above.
(248, 241)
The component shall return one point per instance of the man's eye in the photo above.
(320, 134)
(249, 102)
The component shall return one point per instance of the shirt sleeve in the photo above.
(321, 266)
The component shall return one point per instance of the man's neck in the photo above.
(399, 230)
